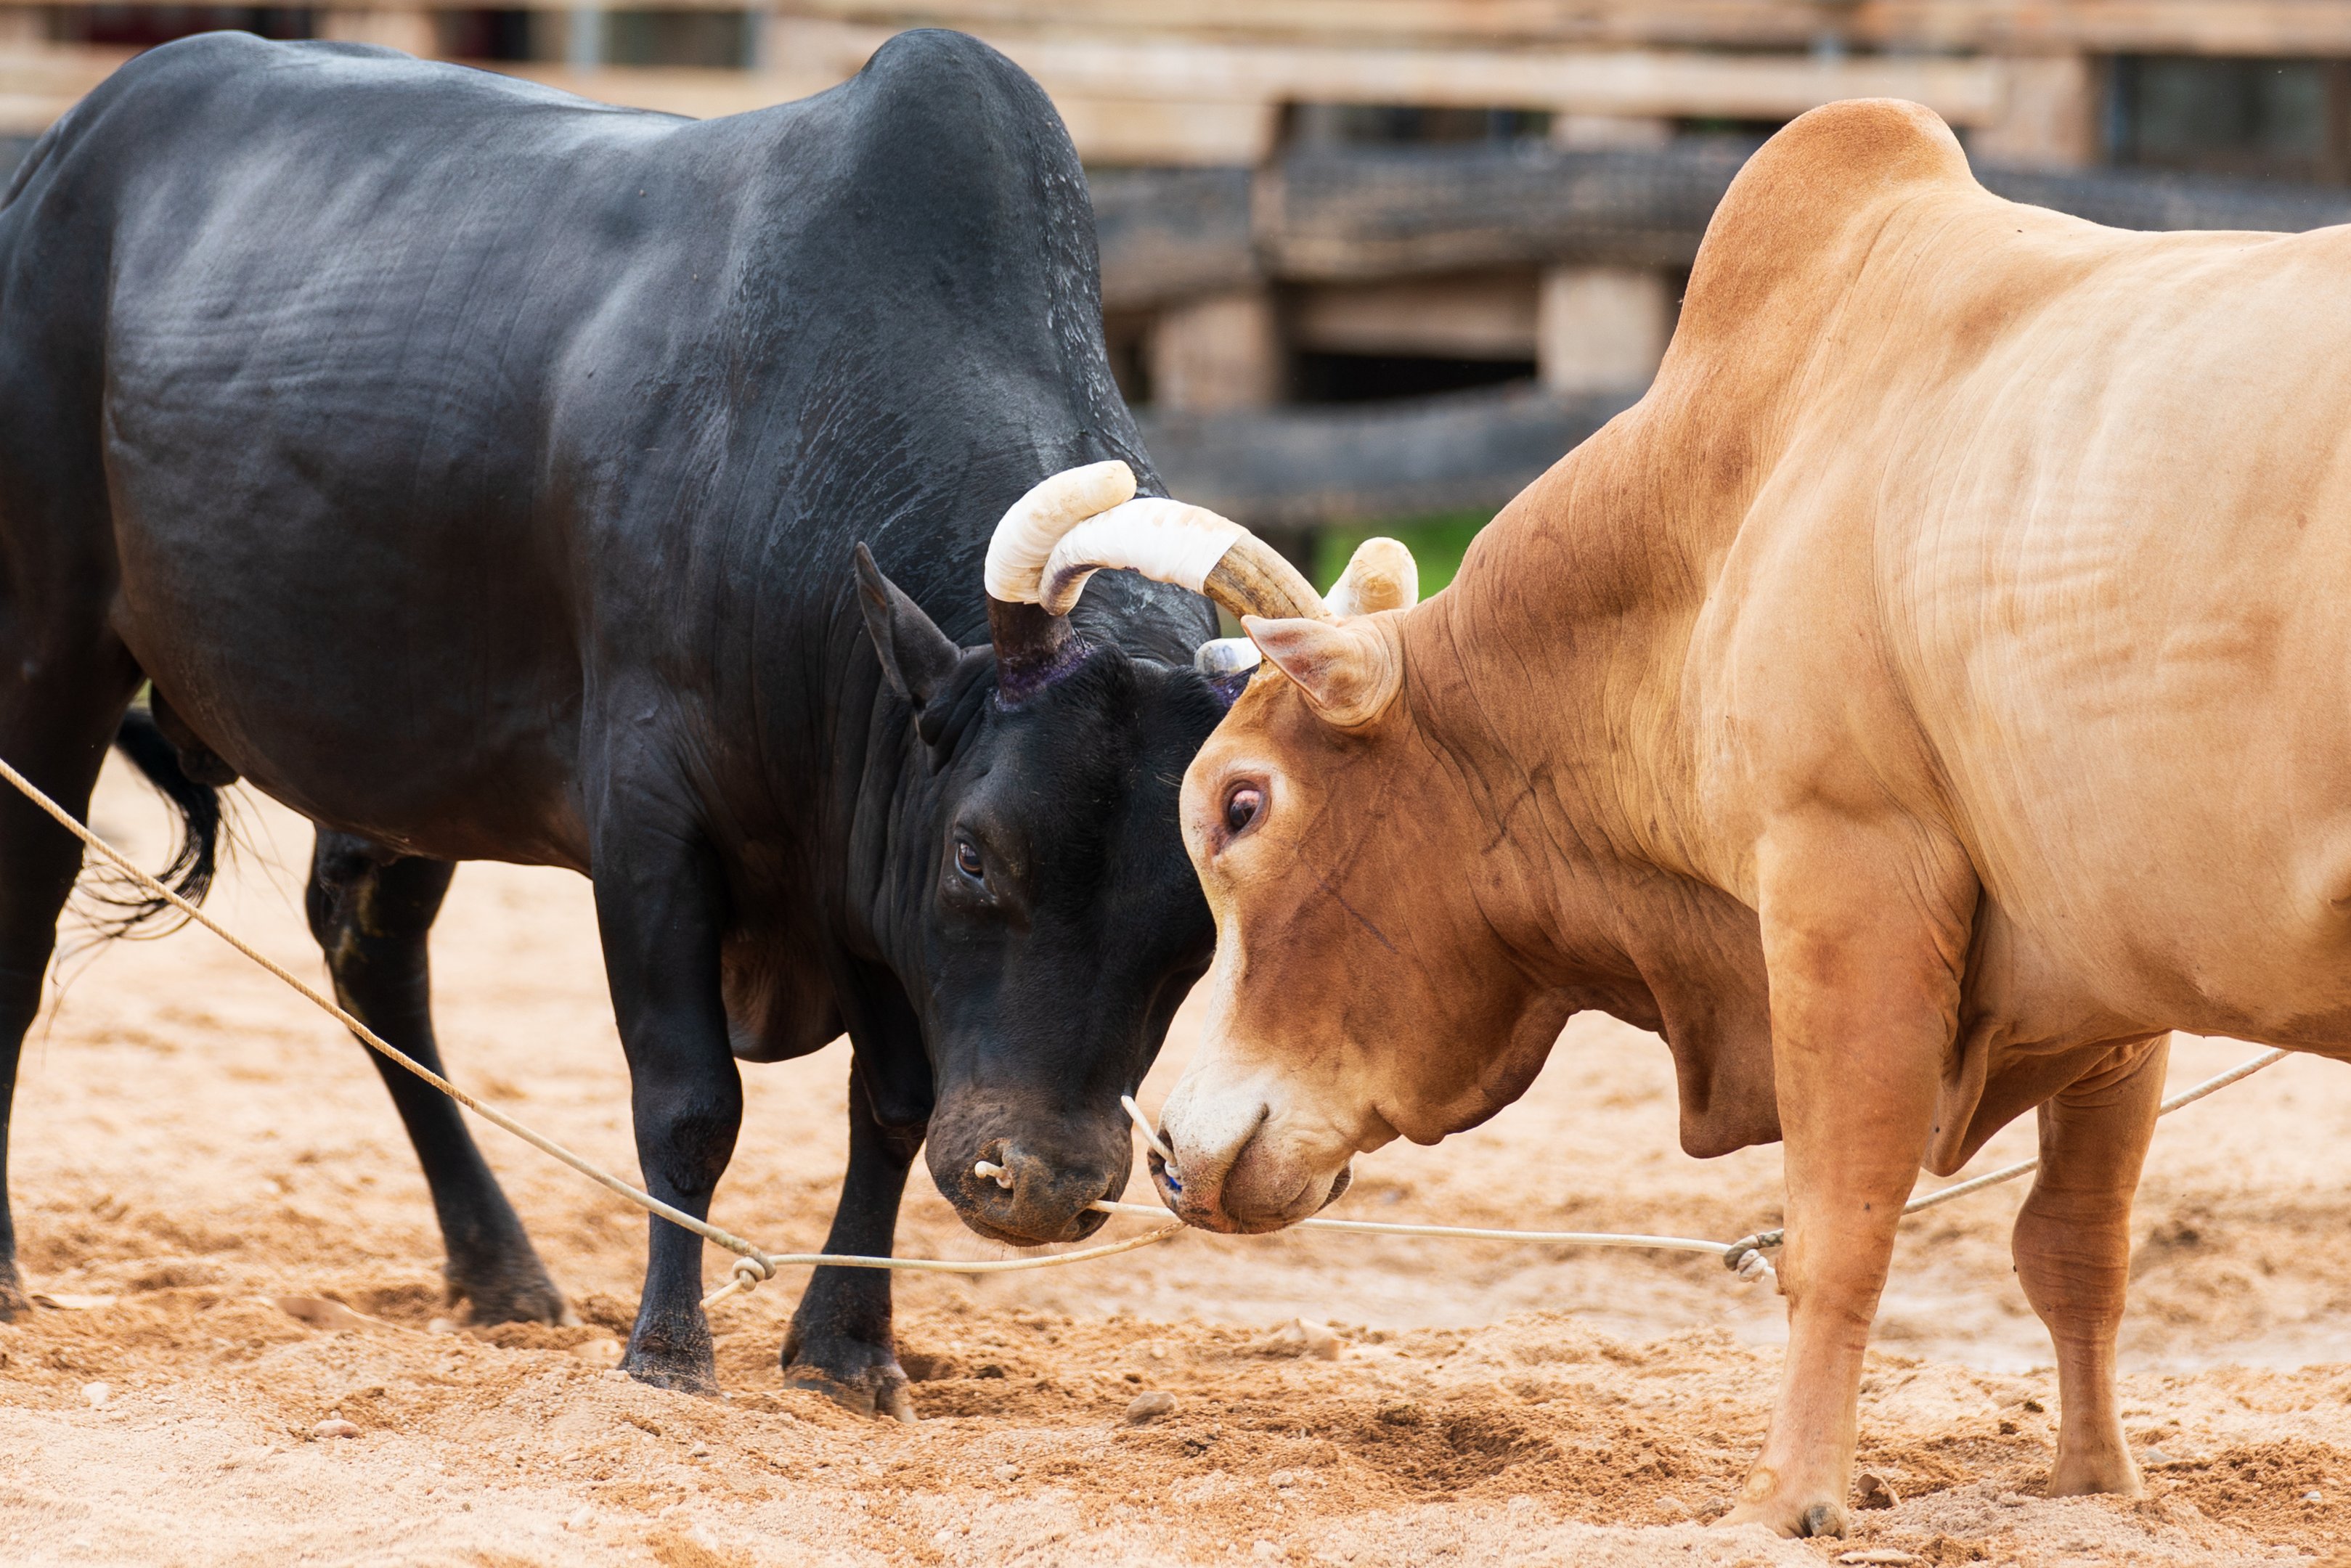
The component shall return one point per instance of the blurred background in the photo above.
(1375, 264)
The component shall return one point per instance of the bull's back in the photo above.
(344, 296)
(2104, 481)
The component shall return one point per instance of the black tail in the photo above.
(196, 858)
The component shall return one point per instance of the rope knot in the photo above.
(1745, 1257)
(751, 1271)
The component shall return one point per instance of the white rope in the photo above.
(1753, 1245)
(756, 1264)
(753, 1266)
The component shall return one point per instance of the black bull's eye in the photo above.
(1242, 805)
(967, 857)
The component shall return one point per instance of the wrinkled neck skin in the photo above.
(1555, 674)
(1538, 824)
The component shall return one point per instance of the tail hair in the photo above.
(195, 859)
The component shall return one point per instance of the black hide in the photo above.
(477, 471)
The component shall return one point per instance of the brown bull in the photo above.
(1935, 691)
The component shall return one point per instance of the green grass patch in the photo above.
(1436, 544)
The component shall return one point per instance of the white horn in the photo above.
(1037, 521)
(1380, 575)
(1188, 545)
(1164, 539)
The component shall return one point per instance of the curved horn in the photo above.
(1188, 545)
(1035, 523)
(1380, 575)
(1034, 646)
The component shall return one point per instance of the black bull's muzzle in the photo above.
(1023, 1175)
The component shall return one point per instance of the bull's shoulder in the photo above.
(1804, 213)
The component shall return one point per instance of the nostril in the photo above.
(995, 1164)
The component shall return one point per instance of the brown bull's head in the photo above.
(1358, 992)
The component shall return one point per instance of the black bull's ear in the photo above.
(916, 656)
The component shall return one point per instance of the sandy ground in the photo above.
(192, 1142)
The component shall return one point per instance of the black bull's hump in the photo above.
(477, 469)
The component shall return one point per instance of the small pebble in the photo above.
(2314, 1497)
(334, 1427)
(1008, 1472)
(97, 1394)
(584, 1520)
(1150, 1407)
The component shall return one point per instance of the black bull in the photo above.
(477, 471)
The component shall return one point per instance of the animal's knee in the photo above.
(340, 866)
(360, 890)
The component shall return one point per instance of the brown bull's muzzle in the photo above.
(1241, 1169)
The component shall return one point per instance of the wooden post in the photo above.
(1610, 131)
(1219, 351)
(2048, 117)
(583, 47)
(1601, 328)
(411, 30)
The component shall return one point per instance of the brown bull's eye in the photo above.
(1242, 805)
(967, 858)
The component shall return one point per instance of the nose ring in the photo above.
(1151, 1136)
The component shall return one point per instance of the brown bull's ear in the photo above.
(916, 656)
(1348, 670)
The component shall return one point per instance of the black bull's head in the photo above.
(1043, 896)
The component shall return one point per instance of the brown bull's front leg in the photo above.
(2073, 1254)
(1864, 964)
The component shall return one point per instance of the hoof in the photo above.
(13, 1302)
(1817, 1521)
(511, 1290)
(684, 1364)
(2113, 1475)
(851, 1373)
(878, 1389)
(1823, 1520)
(677, 1377)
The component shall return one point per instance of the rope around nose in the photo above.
(753, 1265)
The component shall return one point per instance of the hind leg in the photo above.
(58, 739)
(2073, 1255)
(371, 912)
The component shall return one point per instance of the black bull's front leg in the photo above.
(660, 909)
(840, 1344)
